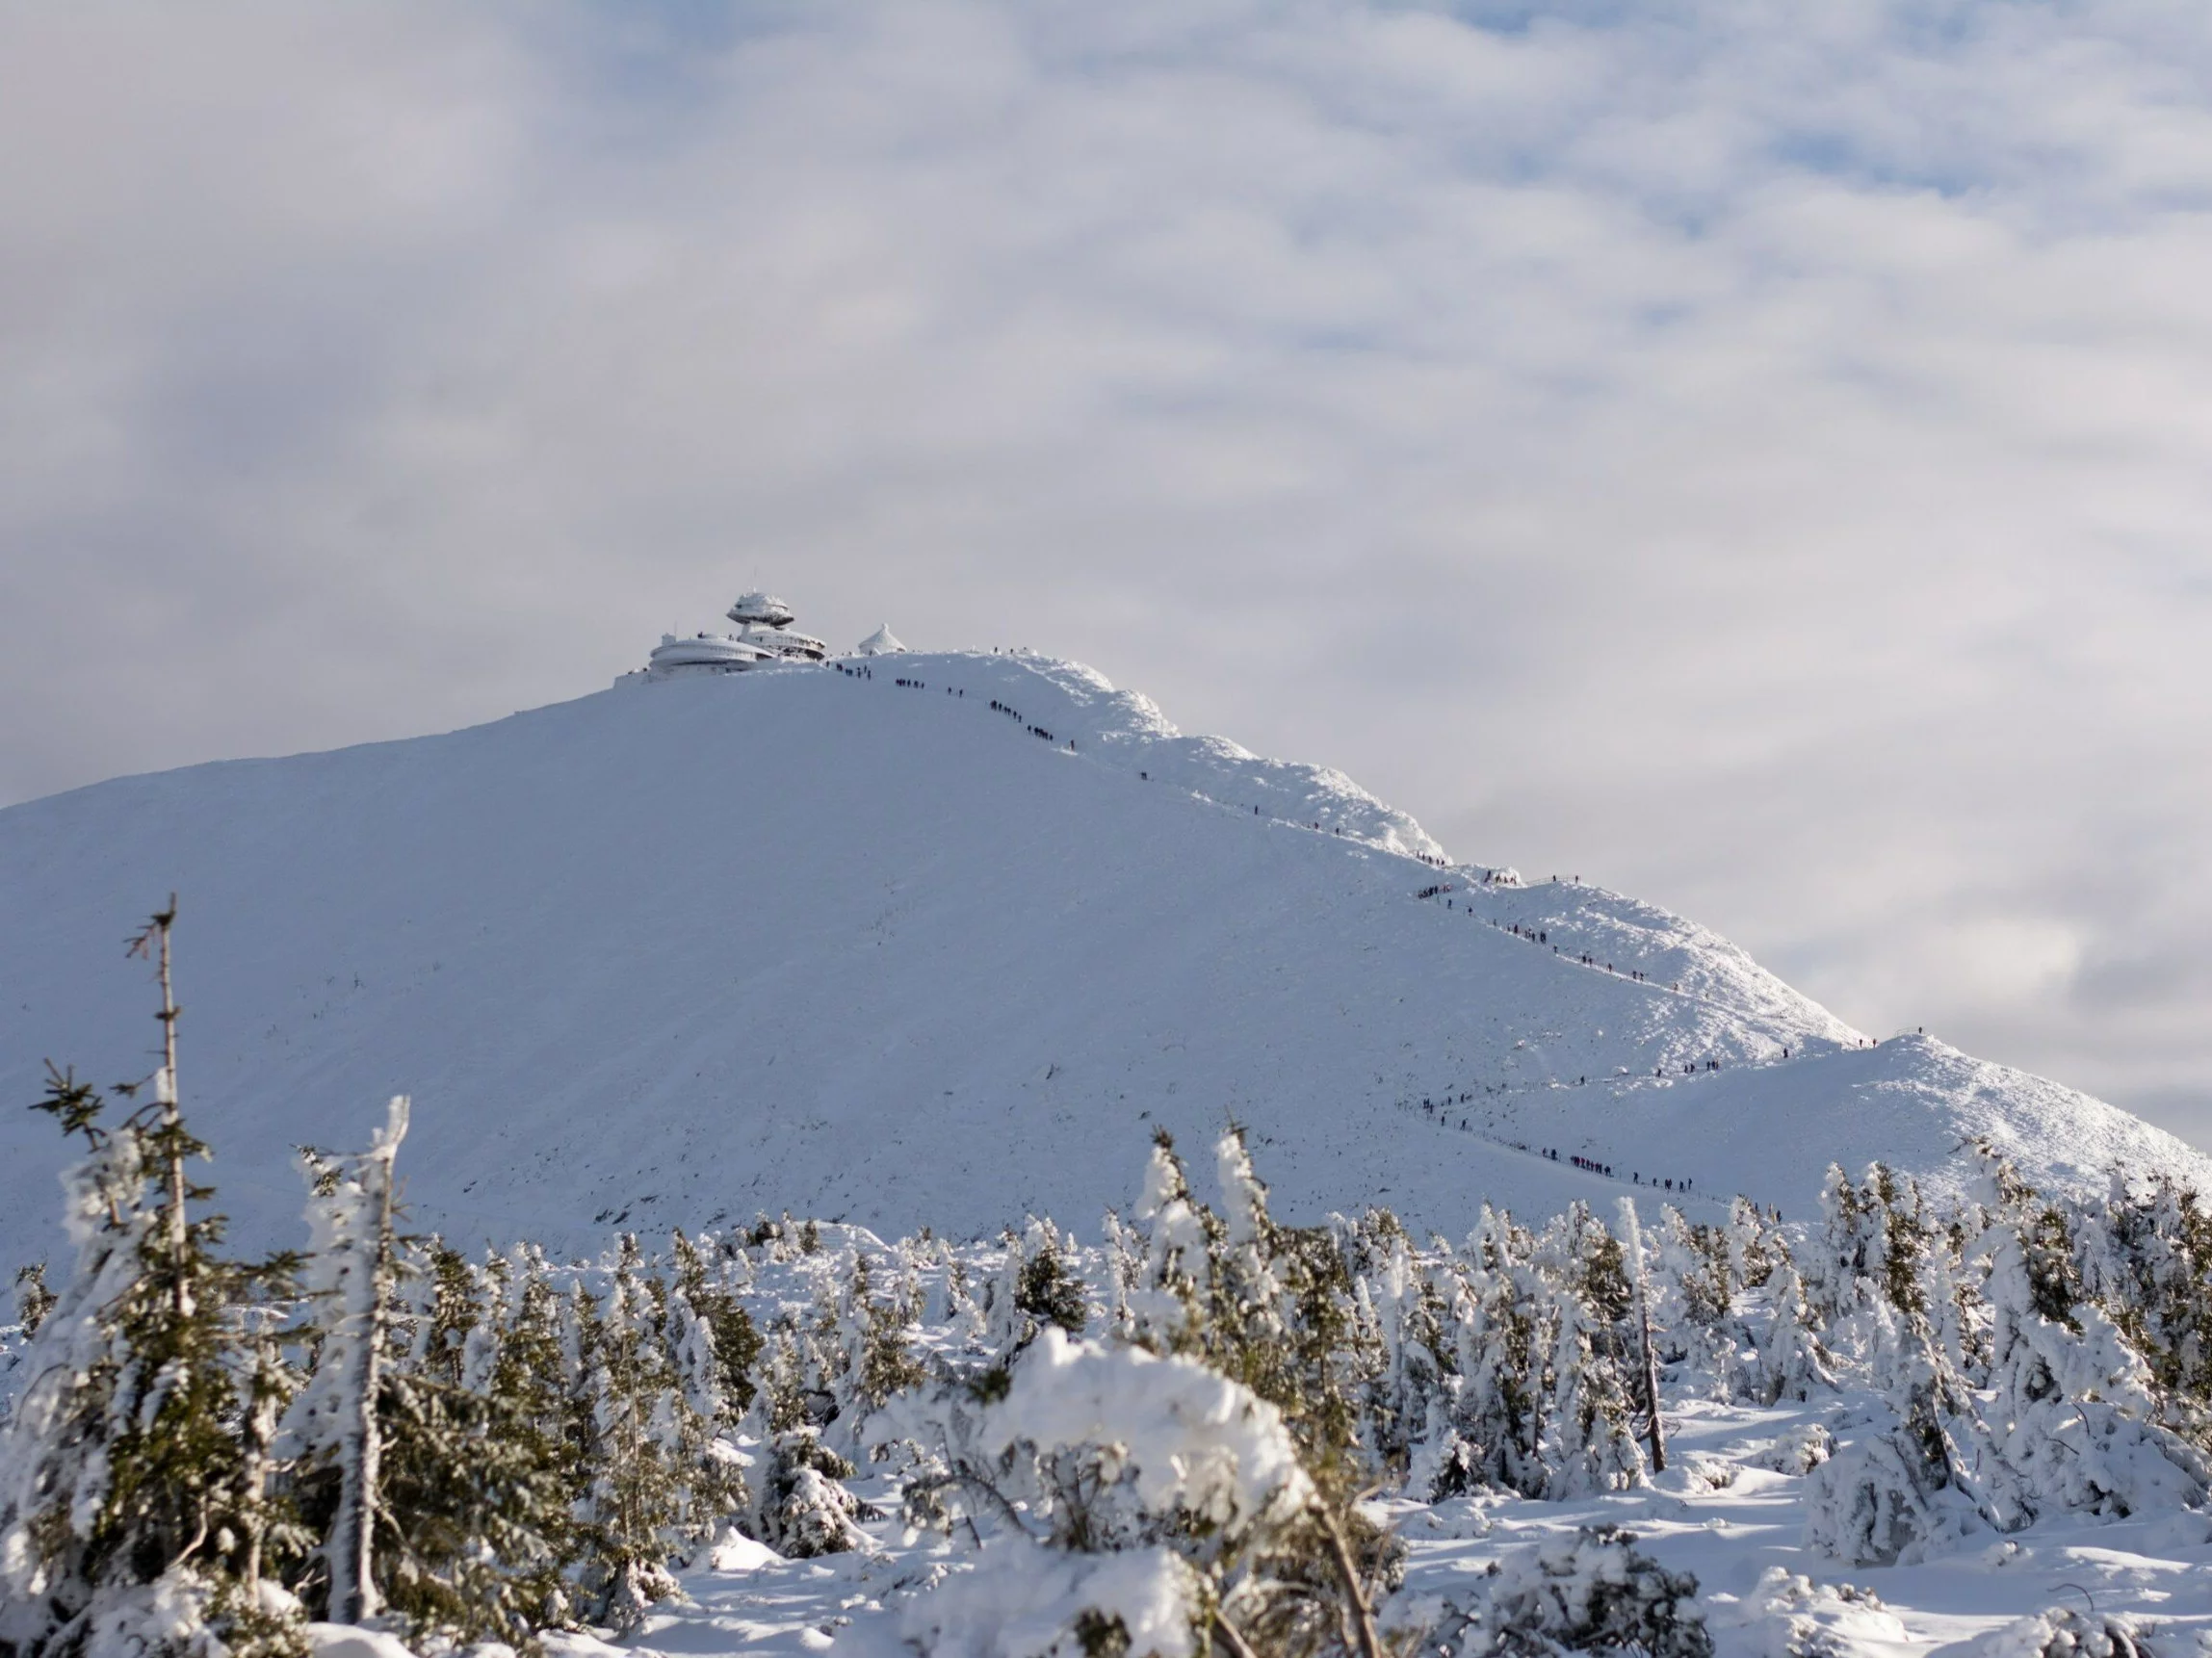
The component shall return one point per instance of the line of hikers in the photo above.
(1591, 1166)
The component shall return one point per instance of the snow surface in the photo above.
(1738, 1528)
(809, 938)
(1730, 1508)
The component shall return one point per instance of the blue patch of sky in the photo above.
(1839, 155)
(1518, 17)
(656, 66)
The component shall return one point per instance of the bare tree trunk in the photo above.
(1651, 1385)
(1632, 1249)
(1232, 1638)
(154, 941)
(258, 1423)
(1348, 1573)
(354, 1595)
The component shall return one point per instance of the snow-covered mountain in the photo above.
(933, 952)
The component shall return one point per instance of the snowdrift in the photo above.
(939, 953)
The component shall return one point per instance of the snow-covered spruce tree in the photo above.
(1275, 1309)
(951, 1299)
(1647, 1363)
(33, 1298)
(1909, 1490)
(1794, 1364)
(1281, 1314)
(352, 1261)
(875, 1336)
(432, 1444)
(1405, 1405)
(1589, 1440)
(475, 1487)
(633, 1497)
(657, 1487)
(1872, 1265)
(1755, 1244)
(2144, 1253)
(1501, 1325)
(1696, 1288)
(1839, 1268)
(1593, 1591)
(797, 1501)
(2081, 1422)
(1038, 1285)
(734, 1344)
(133, 1504)
(1932, 1474)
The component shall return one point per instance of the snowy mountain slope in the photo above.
(805, 939)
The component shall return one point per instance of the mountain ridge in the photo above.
(811, 938)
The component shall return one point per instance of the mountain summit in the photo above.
(921, 938)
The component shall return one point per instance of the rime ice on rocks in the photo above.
(763, 638)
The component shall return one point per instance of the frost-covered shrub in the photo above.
(1591, 1590)
(1087, 1450)
(2064, 1633)
(1114, 1448)
(1896, 1495)
(1039, 1285)
(799, 1506)
(1799, 1450)
(1025, 1601)
(1788, 1616)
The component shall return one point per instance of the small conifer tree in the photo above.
(132, 1469)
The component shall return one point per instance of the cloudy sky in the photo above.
(1754, 455)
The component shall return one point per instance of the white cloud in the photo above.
(1751, 455)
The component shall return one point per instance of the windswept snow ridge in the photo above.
(919, 939)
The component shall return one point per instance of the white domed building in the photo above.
(765, 623)
(702, 654)
(762, 639)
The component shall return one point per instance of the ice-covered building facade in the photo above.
(764, 636)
